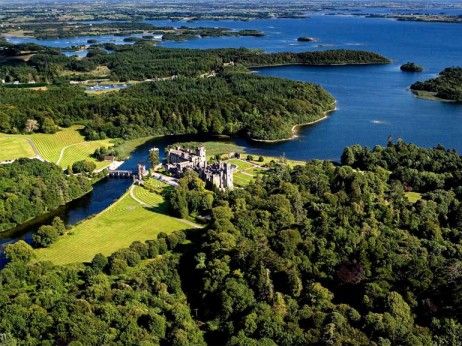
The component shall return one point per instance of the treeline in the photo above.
(141, 62)
(263, 108)
(30, 188)
(416, 168)
(448, 85)
(317, 254)
(255, 58)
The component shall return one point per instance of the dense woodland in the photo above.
(142, 61)
(448, 85)
(202, 91)
(31, 188)
(265, 108)
(315, 254)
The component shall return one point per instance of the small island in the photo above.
(411, 67)
(306, 39)
(446, 87)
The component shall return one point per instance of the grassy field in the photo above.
(117, 227)
(216, 147)
(413, 196)
(63, 148)
(248, 170)
(13, 148)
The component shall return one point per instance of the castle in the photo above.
(218, 174)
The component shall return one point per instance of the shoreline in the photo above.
(318, 65)
(296, 127)
(429, 96)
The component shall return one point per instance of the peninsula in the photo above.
(446, 87)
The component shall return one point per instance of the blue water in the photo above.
(373, 101)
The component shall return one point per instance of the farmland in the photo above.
(63, 148)
(12, 148)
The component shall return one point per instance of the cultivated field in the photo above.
(117, 227)
(12, 148)
(63, 148)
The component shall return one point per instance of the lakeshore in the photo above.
(296, 127)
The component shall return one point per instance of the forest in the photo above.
(447, 86)
(31, 188)
(142, 61)
(317, 254)
(227, 104)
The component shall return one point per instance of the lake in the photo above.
(373, 101)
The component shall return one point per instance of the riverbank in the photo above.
(138, 215)
(296, 127)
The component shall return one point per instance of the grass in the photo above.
(82, 151)
(68, 140)
(216, 147)
(117, 227)
(13, 148)
(413, 196)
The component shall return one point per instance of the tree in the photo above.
(84, 166)
(31, 125)
(19, 252)
(49, 126)
(45, 236)
(154, 157)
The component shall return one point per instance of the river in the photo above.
(373, 101)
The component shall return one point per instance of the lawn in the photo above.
(12, 148)
(68, 141)
(413, 196)
(117, 227)
(216, 147)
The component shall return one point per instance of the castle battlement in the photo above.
(218, 174)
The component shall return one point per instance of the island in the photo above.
(446, 87)
(306, 39)
(411, 67)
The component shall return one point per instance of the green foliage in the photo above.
(331, 254)
(190, 197)
(411, 67)
(120, 301)
(316, 254)
(222, 105)
(30, 188)
(19, 252)
(48, 234)
(448, 85)
(84, 166)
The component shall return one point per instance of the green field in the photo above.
(13, 148)
(216, 147)
(117, 227)
(413, 196)
(63, 148)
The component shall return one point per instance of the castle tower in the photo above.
(228, 182)
(141, 171)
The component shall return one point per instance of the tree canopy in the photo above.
(320, 253)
